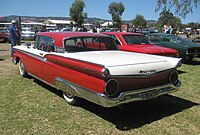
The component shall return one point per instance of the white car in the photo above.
(27, 33)
(90, 66)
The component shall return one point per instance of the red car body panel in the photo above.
(78, 72)
(147, 48)
(4, 36)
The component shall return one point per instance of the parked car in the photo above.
(135, 42)
(66, 29)
(187, 49)
(52, 29)
(196, 40)
(28, 33)
(4, 35)
(90, 66)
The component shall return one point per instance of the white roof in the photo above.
(107, 24)
(58, 22)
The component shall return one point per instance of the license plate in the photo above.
(149, 95)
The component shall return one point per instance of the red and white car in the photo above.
(90, 66)
(135, 42)
(4, 35)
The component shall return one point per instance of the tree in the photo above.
(177, 23)
(182, 7)
(167, 18)
(193, 25)
(139, 21)
(116, 10)
(76, 12)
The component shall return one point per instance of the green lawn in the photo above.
(28, 106)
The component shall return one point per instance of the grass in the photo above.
(28, 106)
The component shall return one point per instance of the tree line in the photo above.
(182, 8)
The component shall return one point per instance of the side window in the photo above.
(166, 39)
(73, 44)
(77, 44)
(115, 38)
(51, 45)
(196, 40)
(44, 43)
(154, 38)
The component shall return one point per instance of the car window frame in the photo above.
(115, 38)
(85, 44)
(48, 47)
(138, 41)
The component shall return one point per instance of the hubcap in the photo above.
(21, 67)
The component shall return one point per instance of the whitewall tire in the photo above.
(70, 99)
(22, 70)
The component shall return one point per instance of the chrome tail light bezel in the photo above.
(173, 77)
(112, 88)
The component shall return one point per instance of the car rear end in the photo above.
(130, 77)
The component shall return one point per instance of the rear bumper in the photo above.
(139, 95)
(123, 98)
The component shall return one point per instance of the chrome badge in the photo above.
(147, 72)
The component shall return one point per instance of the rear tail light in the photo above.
(112, 88)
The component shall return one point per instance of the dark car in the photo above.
(187, 49)
(196, 40)
(4, 35)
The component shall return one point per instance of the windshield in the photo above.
(135, 39)
(176, 39)
(78, 44)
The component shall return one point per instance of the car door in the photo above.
(37, 62)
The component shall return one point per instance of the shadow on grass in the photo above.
(136, 114)
(1, 59)
(193, 62)
(48, 87)
(181, 72)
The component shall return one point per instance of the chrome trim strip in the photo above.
(38, 57)
(105, 90)
(142, 76)
(123, 98)
(78, 60)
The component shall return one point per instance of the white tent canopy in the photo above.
(58, 22)
(107, 24)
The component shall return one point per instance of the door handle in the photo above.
(41, 53)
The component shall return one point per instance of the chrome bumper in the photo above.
(123, 98)
(139, 95)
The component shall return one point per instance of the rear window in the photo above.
(135, 39)
(78, 44)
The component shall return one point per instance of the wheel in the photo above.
(70, 99)
(22, 70)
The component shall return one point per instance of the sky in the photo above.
(94, 8)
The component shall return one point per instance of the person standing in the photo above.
(13, 34)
